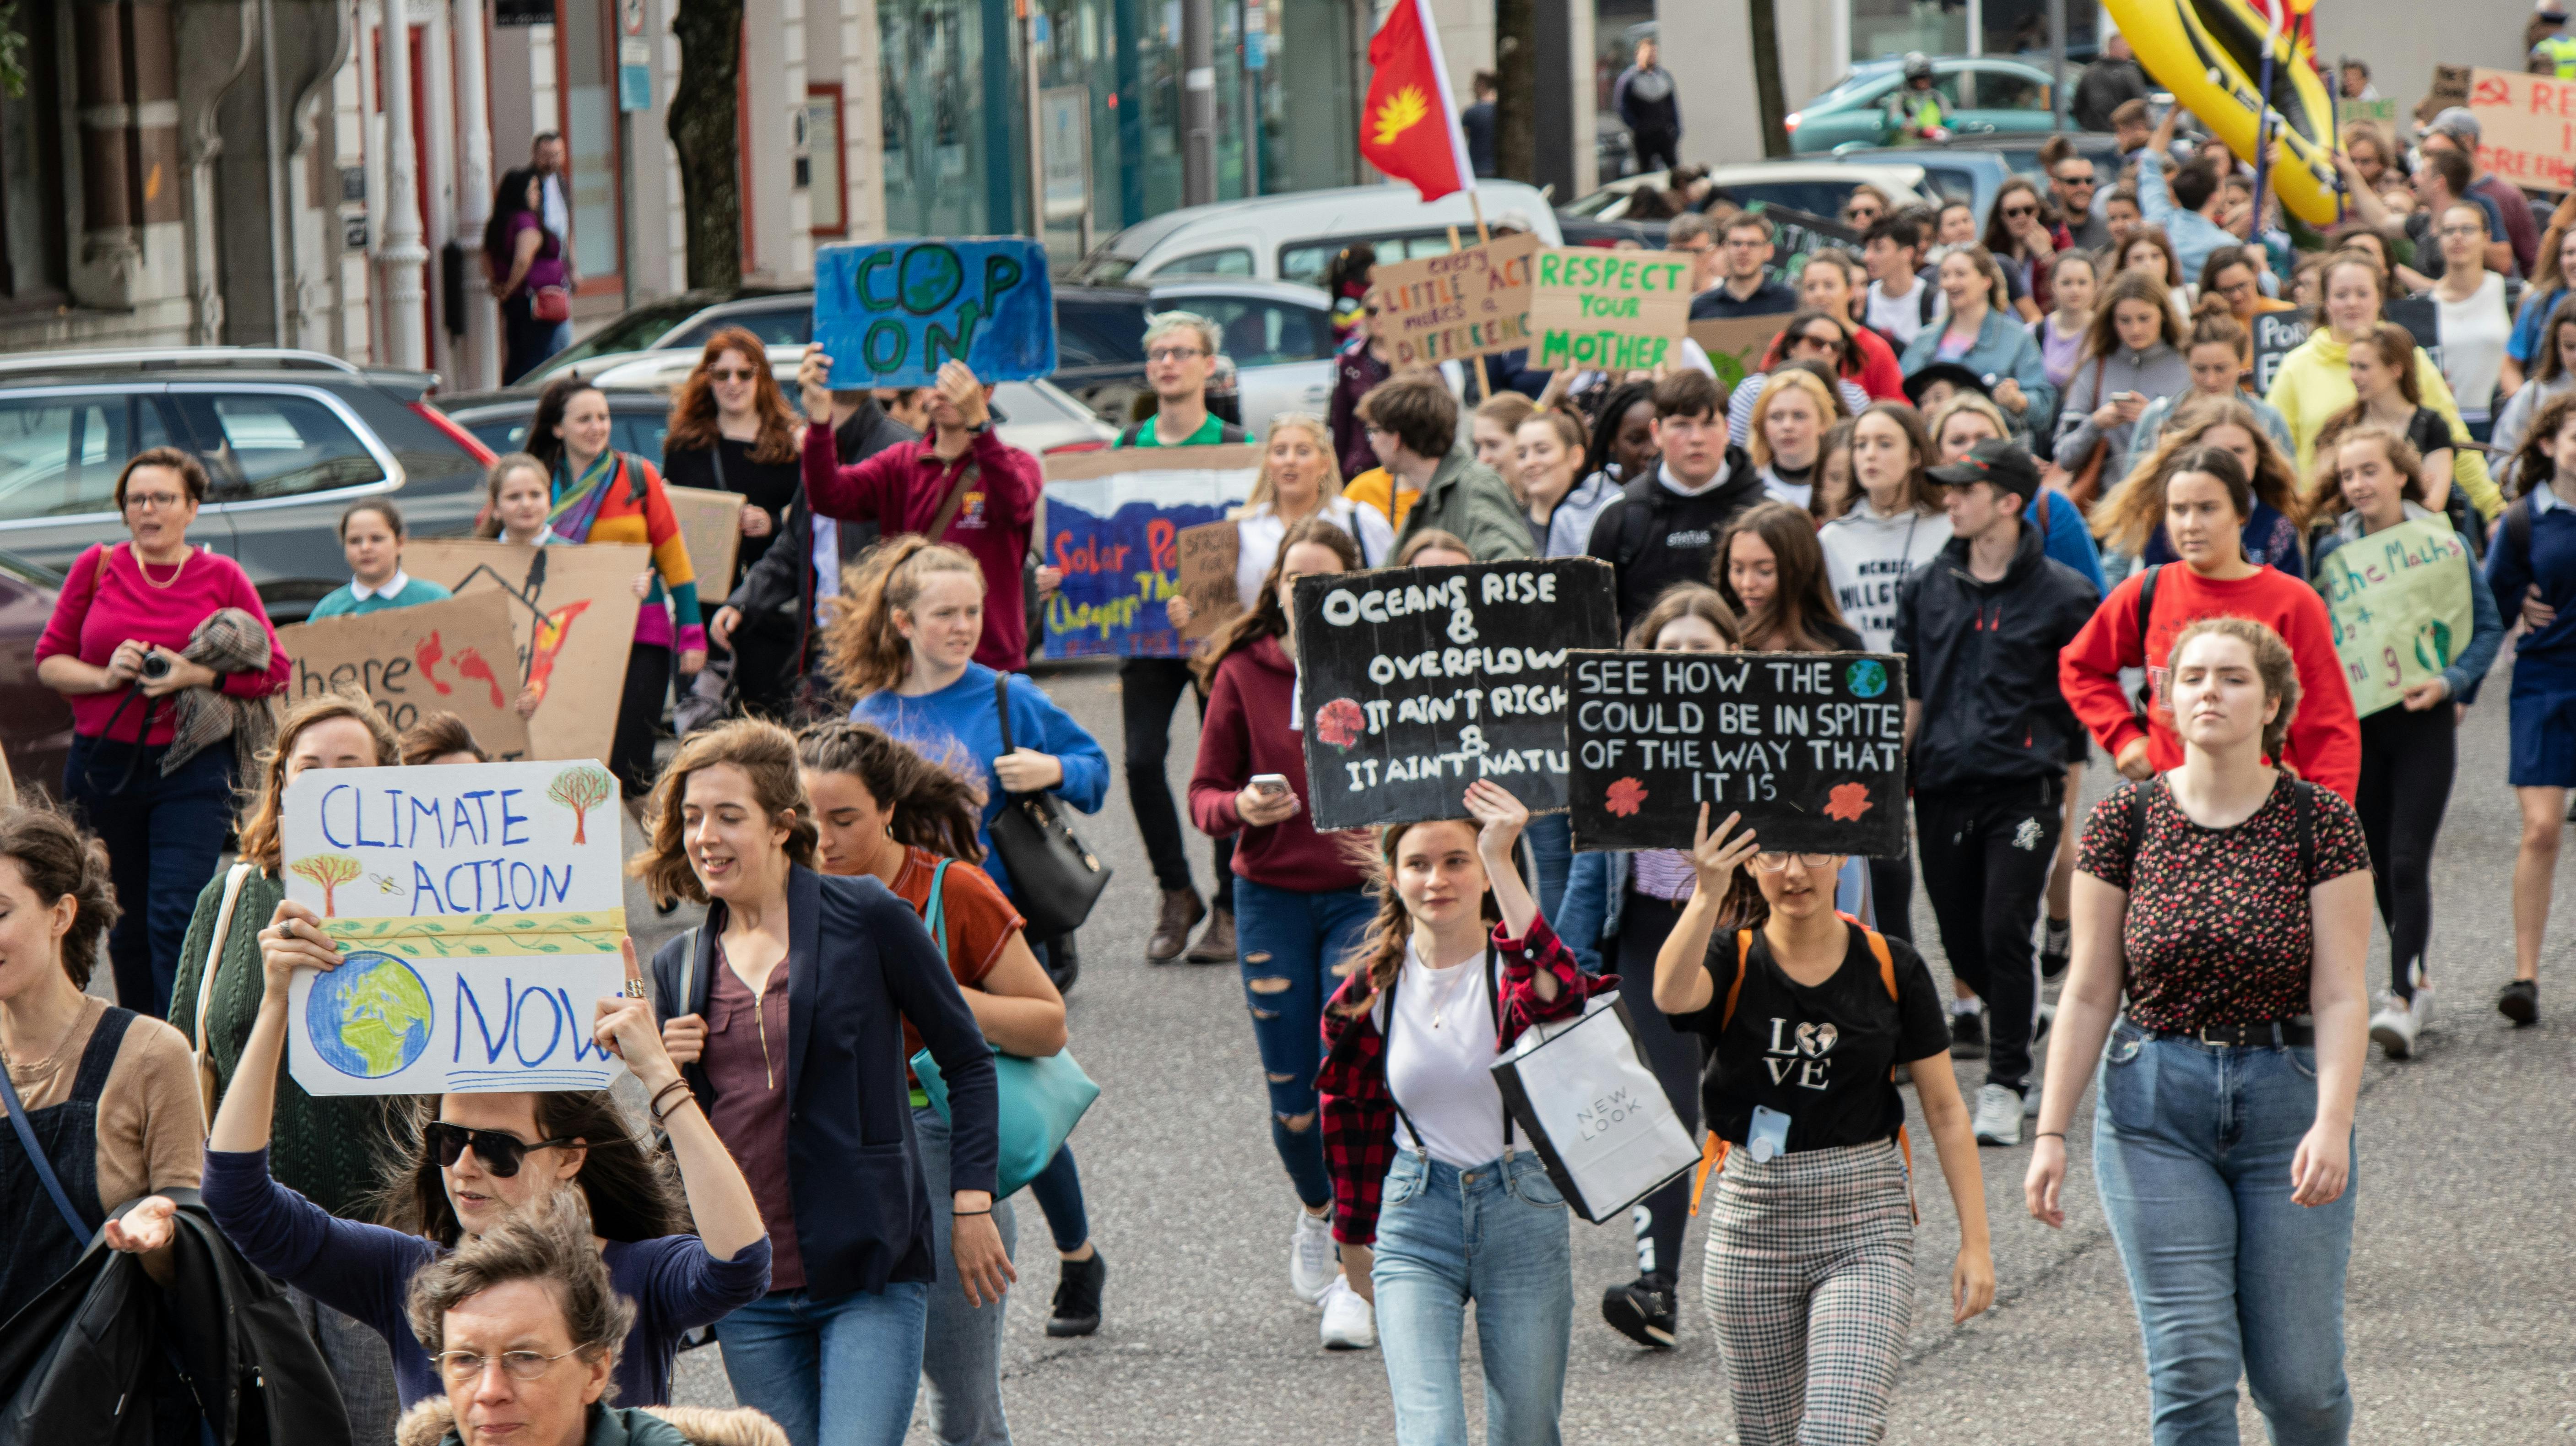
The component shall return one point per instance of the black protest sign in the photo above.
(1414, 682)
(1809, 747)
(2276, 335)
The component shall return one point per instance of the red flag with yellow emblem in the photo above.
(1409, 128)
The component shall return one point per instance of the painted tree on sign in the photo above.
(581, 790)
(330, 871)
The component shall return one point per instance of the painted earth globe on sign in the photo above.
(370, 1017)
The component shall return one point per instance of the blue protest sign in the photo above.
(1114, 525)
(891, 313)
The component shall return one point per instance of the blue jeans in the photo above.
(1288, 943)
(2191, 1150)
(1495, 1235)
(961, 1349)
(843, 1371)
(1551, 841)
(163, 835)
(1058, 1191)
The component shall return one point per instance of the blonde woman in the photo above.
(1788, 434)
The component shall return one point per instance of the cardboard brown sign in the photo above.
(711, 528)
(1209, 554)
(2526, 127)
(1596, 310)
(572, 619)
(455, 656)
(1467, 303)
(1741, 337)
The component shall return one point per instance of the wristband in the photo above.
(654, 1108)
(987, 1210)
(2050, 1135)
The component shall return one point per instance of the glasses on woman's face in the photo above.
(729, 374)
(154, 501)
(1771, 863)
(2020, 213)
(1821, 343)
(522, 1365)
(500, 1153)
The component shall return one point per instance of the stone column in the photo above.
(401, 254)
(480, 361)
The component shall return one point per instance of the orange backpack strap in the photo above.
(1712, 1155)
(1904, 1142)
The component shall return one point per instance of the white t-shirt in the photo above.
(1258, 530)
(1442, 1072)
(2473, 336)
(1901, 317)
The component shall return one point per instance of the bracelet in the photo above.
(987, 1210)
(2049, 1134)
(654, 1108)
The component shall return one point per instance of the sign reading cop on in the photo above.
(1467, 303)
(2399, 602)
(1414, 682)
(1592, 309)
(896, 311)
(478, 910)
(1809, 747)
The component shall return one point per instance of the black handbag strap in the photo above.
(1002, 707)
(1494, 996)
(81, 1229)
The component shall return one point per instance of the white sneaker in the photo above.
(2422, 1007)
(1311, 1266)
(1998, 1115)
(1350, 1323)
(2030, 1101)
(2394, 1026)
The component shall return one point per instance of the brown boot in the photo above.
(1181, 913)
(1216, 942)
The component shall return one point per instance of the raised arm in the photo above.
(1682, 985)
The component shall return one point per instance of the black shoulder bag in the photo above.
(1055, 876)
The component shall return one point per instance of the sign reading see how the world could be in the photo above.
(1809, 747)
(1414, 682)
(478, 909)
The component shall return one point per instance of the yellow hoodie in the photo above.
(2315, 382)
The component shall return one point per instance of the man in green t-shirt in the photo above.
(1181, 349)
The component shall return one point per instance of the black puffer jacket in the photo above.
(1981, 657)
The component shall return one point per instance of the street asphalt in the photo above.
(2461, 1313)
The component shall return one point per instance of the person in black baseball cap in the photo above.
(2011, 468)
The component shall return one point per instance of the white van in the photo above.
(1293, 237)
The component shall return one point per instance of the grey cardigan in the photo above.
(2158, 372)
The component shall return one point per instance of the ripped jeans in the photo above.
(1288, 943)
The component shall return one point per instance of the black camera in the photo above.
(156, 666)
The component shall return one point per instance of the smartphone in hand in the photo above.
(1270, 785)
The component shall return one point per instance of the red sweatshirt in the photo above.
(1880, 376)
(2325, 738)
(1246, 731)
(902, 489)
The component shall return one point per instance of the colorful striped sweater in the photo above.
(630, 514)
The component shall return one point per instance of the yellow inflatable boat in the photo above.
(2209, 53)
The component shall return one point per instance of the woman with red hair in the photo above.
(732, 431)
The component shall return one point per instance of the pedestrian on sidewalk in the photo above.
(1432, 1199)
(1648, 104)
(1809, 1275)
(1990, 739)
(2532, 570)
(2229, 902)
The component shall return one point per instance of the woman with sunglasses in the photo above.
(2024, 234)
(1814, 336)
(476, 1159)
(731, 430)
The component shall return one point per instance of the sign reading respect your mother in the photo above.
(478, 911)
(1596, 310)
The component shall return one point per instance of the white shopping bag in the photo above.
(1594, 1111)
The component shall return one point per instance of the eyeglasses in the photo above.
(1771, 863)
(2020, 213)
(154, 501)
(500, 1153)
(2449, 231)
(1702, 248)
(522, 1365)
(1809, 338)
(728, 374)
(2074, 182)
(1191, 353)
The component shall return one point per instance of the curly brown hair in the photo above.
(926, 805)
(2131, 512)
(863, 650)
(2273, 664)
(59, 859)
(260, 843)
(693, 407)
(766, 754)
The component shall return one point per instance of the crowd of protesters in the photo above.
(2027, 458)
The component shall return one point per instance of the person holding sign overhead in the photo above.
(2410, 752)
(1810, 1259)
(371, 537)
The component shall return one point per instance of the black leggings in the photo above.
(639, 717)
(1148, 690)
(1644, 923)
(2407, 763)
(1891, 889)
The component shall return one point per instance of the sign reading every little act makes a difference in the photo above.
(1597, 310)
(478, 910)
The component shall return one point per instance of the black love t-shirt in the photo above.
(1818, 1054)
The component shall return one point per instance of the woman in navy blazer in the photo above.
(785, 1011)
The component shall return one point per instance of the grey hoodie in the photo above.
(2159, 371)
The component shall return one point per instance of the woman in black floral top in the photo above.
(2232, 903)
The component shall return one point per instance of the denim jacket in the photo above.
(1596, 894)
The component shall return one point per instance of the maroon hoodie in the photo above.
(1246, 731)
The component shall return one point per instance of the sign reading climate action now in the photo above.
(1414, 682)
(1592, 309)
(1809, 747)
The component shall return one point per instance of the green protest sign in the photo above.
(2399, 602)
(1596, 310)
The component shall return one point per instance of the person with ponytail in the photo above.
(1437, 1206)
(1300, 901)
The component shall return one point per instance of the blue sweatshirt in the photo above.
(958, 728)
(2066, 538)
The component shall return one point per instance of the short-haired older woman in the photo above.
(163, 649)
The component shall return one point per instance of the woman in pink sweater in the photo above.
(1300, 902)
(162, 648)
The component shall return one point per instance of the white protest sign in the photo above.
(479, 908)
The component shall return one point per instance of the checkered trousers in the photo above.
(1810, 1286)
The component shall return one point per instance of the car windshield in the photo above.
(1101, 268)
(633, 331)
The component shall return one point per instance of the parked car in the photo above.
(1950, 172)
(637, 418)
(289, 438)
(1293, 236)
(1818, 186)
(1279, 336)
(1980, 95)
(35, 722)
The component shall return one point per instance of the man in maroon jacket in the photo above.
(909, 488)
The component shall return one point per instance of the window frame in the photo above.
(203, 447)
(74, 394)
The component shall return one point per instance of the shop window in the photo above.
(589, 91)
(829, 198)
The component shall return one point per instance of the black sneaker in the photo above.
(1077, 1297)
(2055, 945)
(1968, 1035)
(1642, 1311)
(2520, 1001)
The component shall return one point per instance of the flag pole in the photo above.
(1476, 203)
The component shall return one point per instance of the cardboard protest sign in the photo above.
(1209, 555)
(1113, 524)
(1414, 682)
(1592, 309)
(2399, 602)
(711, 528)
(891, 313)
(2276, 335)
(2450, 88)
(572, 617)
(1468, 303)
(1735, 343)
(478, 910)
(2526, 127)
(1809, 747)
(455, 656)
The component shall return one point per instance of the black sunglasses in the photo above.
(499, 1153)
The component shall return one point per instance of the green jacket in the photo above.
(334, 1151)
(1470, 499)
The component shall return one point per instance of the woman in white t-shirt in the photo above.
(1788, 434)
(2475, 323)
